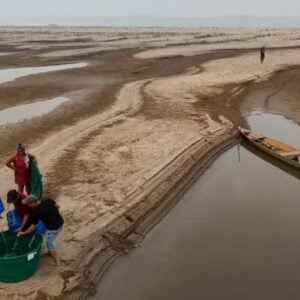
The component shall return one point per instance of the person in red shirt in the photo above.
(23, 210)
(20, 164)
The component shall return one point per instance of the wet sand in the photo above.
(279, 95)
(133, 137)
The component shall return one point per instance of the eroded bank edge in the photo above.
(153, 204)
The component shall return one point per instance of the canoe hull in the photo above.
(270, 152)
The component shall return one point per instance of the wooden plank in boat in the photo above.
(295, 153)
(277, 149)
(280, 146)
(258, 138)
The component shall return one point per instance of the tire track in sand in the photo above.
(129, 101)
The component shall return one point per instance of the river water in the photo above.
(27, 111)
(235, 234)
(11, 74)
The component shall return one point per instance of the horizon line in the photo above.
(156, 16)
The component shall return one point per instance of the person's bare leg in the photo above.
(54, 255)
(28, 189)
(21, 188)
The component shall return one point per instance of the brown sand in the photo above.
(134, 137)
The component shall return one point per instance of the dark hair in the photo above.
(21, 147)
(12, 196)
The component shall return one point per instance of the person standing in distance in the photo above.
(263, 53)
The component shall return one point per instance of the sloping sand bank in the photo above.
(120, 170)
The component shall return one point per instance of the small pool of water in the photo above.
(7, 75)
(28, 111)
(234, 235)
(275, 126)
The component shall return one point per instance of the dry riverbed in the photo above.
(138, 129)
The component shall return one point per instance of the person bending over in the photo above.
(46, 210)
(23, 210)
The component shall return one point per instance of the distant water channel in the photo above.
(235, 235)
(11, 74)
(27, 111)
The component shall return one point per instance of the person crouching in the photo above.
(46, 210)
(15, 198)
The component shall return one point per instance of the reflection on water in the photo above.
(28, 111)
(235, 235)
(13, 73)
(276, 127)
(271, 160)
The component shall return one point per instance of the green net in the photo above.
(36, 184)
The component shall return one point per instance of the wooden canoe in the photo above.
(277, 149)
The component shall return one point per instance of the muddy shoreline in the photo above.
(127, 231)
(117, 69)
(134, 137)
(33, 130)
(130, 236)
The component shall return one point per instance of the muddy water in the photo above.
(28, 111)
(275, 126)
(235, 235)
(14, 73)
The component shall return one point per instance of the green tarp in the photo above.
(36, 184)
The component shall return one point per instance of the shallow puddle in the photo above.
(28, 111)
(7, 75)
(234, 235)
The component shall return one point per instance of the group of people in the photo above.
(33, 208)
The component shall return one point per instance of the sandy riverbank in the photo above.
(133, 137)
